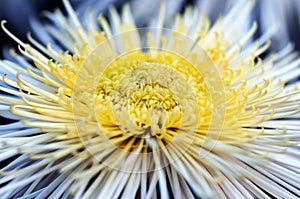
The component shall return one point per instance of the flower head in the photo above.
(188, 111)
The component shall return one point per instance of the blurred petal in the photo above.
(214, 8)
(143, 11)
(273, 14)
(98, 6)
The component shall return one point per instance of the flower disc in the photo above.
(151, 100)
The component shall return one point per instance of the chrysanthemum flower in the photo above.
(191, 111)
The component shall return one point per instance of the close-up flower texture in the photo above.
(151, 99)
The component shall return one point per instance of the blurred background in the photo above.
(17, 14)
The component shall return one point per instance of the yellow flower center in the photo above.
(151, 95)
